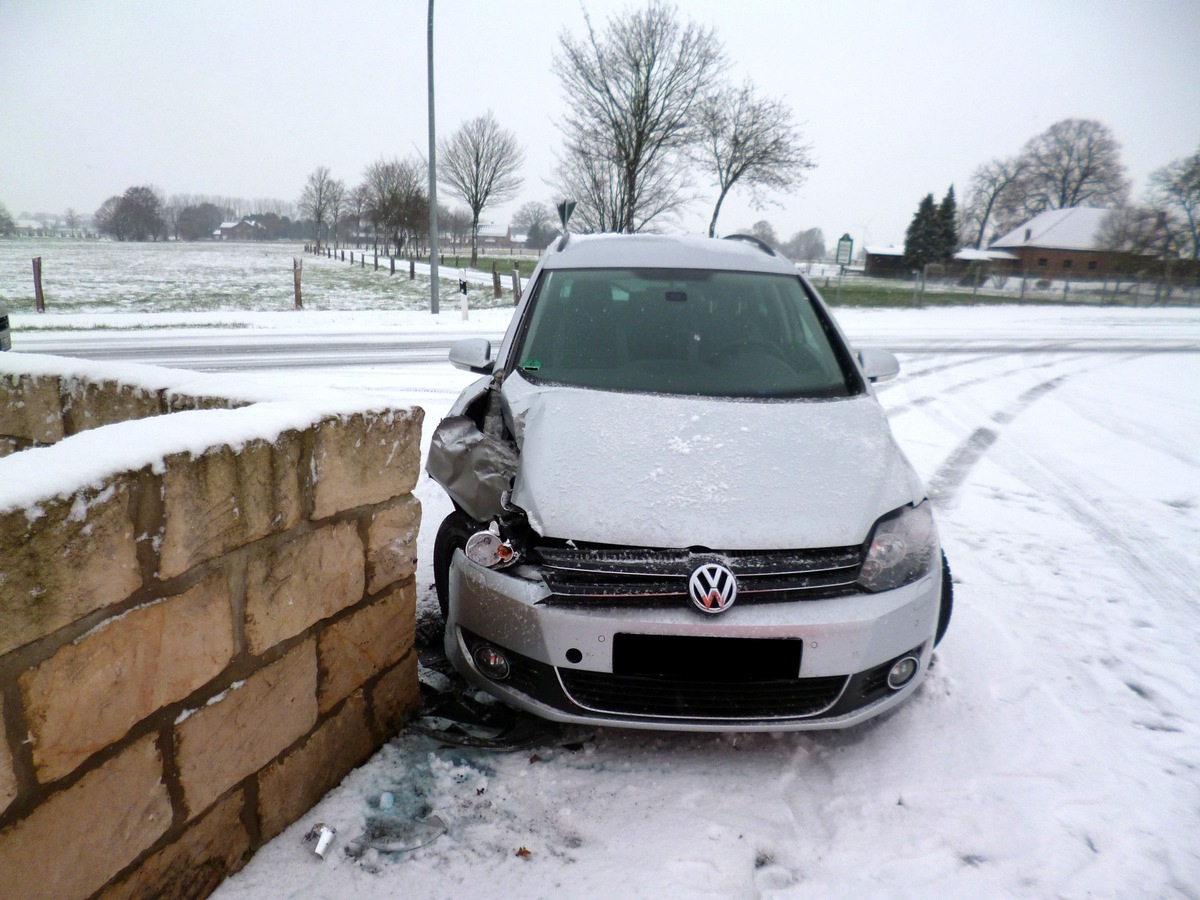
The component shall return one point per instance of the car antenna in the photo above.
(564, 215)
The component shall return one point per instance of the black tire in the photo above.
(451, 536)
(946, 609)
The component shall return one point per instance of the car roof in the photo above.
(659, 251)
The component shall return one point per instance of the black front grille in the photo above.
(651, 576)
(637, 695)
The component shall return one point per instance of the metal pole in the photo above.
(433, 222)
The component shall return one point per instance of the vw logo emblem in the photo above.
(712, 588)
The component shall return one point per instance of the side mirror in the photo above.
(472, 354)
(878, 365)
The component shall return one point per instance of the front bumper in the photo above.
(573, 664)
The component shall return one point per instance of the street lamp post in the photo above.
(433, 222)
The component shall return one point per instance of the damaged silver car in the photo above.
(678, 503)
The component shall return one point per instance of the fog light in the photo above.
(902, 672)
(492, 662)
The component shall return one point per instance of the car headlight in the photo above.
(902, 549)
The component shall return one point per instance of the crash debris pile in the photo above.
(199, 644)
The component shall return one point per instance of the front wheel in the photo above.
(451, 536)
(947, 605)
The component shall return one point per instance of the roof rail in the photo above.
(751, 239)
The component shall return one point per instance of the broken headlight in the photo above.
(502, 543)
(902, 548)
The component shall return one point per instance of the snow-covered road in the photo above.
(1053, 751)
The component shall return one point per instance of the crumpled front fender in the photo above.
(474, 468)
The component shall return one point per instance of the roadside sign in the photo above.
(845, 250)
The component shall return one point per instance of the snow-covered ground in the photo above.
(1054, 751)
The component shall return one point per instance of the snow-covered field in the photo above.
(169, 277)
(1054, 751)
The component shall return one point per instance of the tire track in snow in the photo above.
(960, 386)
(949, 477)
(1165, 573)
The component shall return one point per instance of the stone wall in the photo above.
(206, 619)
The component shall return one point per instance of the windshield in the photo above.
(671, 331)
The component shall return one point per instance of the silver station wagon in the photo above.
(678, 503)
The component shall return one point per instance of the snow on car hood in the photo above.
(649, 470)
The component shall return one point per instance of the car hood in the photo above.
(656, 471)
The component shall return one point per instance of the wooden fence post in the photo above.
(37, 284)
(516, 284)
(496, 290)
(392, 261)
(297, 266)
(412, 268)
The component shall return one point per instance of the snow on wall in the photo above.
(206, 603)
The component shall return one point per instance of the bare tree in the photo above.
(1136, 231)
(1175, 190)
(1074, 162)
(135, 215)
(991, 184)
(750, 141)
(764, 231)
(337, 204)
(398, 202)
(316, 196)
(456, 222)
(532, 214)
(479, 164)
(359, 200)
(633, 93)
(808, 245)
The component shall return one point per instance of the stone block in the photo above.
(392, 543)
(293, 785)
(9, 446)
(31, 408)
(359, 647)
(182, 402)
(90, 693)
(365, 458)
(92, 404)
(396, 696)
(226, 499)
(194, 865)
(297, 584)
(76, 841)
(8, 777)
(237, 733)
(63, 559)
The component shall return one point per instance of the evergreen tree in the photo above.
(922, 243)
(948, 225)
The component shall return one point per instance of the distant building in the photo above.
(495, 237)
(888, 262)
(240, 231)
(1062, 243)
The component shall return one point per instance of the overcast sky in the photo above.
(245, 98)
